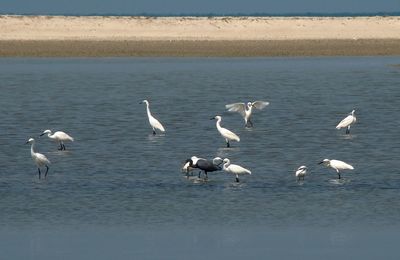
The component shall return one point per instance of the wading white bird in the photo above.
(58, 136)
(347, 122)
(246, 110)
(39, 159)
(301, 172)
(234, 169)
(225, 133)
(154, 123)
(337, 165)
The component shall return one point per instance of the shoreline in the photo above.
(98, 36)
(279, 48)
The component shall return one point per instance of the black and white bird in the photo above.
(246, 110)
(204, 165)
(347, 122)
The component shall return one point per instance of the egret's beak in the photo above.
(212, 118)
(140, 102)
(42, 134)
(27, 142)
(321, 162)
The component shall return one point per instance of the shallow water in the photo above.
(119, 181)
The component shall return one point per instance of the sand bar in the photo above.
(198, 36)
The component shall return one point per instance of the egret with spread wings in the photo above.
(246, 109)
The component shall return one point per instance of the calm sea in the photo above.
(118, 193)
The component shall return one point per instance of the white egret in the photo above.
(301, 172)
(58, 136)
(246, 109)
(234, 169)
(39, 159)
(225, 133)
(205, 165)
(347, 122)
(154, 123)
(337, 165)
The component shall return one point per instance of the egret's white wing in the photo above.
(229, 134)
(341, 165)
(156, 124)
(260, 104)
(63, 136)
(237, 169)
(41, 158)
(300, 171)
(237, 107)
(345, 122)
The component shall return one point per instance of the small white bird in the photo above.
(246, 110)
(234, 169)
(301, 172)
(225, 133)
(337, 165)
(58, 136)
(39, 159)
(347, 122)
(154, 123)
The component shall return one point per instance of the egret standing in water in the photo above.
(337, 165)
(301, 172)
(234, 169)
(60, 137)
(347, 122)
(154, 123)
(225, 133)
(39, 159)
(246, 110)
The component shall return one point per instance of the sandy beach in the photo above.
(198, 36)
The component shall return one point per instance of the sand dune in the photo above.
(196, 28)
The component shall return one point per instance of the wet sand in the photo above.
(79, 48)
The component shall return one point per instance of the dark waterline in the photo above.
(118, 186)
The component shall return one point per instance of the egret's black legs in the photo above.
(250, 123)
(154, 132)
(237, 179)
(39, 172)
(348, 130)
(227, 144)
(338, 175)
(47, 170)
(61, 147)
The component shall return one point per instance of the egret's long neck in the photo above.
(148, 110)
(218, 123)
(226, 165)
(50, 135)
(32, 149)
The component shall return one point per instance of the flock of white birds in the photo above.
(216, 164)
